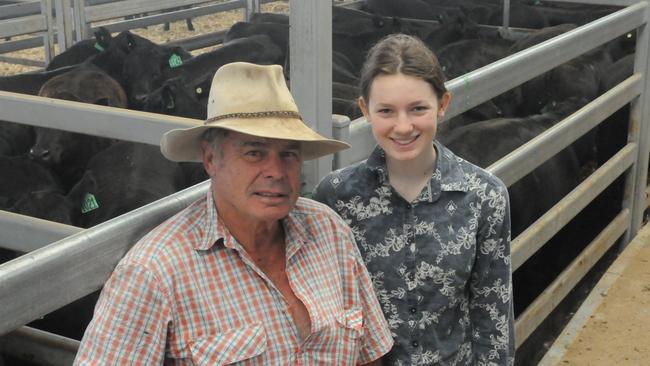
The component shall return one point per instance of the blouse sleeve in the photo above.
(491, 309)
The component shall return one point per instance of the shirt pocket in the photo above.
(348, 332)
(229, 347)
(351, 321)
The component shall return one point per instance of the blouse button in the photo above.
(415, 344)
(411, 276)
(413, 310)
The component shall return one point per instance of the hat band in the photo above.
(285, 114)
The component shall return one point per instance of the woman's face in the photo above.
(403, 111)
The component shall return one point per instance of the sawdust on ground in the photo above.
(616, 333)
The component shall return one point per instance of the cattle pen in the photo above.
(64, 263)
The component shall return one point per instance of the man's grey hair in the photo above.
(215, 137)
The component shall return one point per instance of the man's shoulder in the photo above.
(168, 242)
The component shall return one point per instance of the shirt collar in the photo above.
(216, 233)
(448, 176)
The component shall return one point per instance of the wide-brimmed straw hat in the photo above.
(254, 100)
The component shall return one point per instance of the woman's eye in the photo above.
(420, 108)
(384, 111)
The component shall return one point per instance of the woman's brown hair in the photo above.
(401, 53)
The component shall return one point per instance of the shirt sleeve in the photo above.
(129, 326)
(491, 308)
(377, 339)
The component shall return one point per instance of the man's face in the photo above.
(255, 179)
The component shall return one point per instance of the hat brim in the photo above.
(183, 145)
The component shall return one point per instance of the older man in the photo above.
(251, 273)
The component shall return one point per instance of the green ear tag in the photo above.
(99, 47)
(89, 203)
(175, 60)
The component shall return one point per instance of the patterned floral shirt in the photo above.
(188, 294)
(440, 264)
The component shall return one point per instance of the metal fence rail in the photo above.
(24, 23)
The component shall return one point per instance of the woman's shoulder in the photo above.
(472, 176)
(343, 182)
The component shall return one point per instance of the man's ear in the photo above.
(208, 155)
(364, 108)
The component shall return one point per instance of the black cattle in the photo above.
(579, 77)
(121, 178)
(82, 50)
(21, 176)
(555, 14)
(461, 57)
(485, 142)
(255, 49)
(541, 35)
(29, 82)
(279, 33)
(521, 15)
(176, 98)
(612, 133)
(68, 152)
(138, 64)
(354, 32)
(415, 9)
(15, 139)
(269, 18)
(47, 204)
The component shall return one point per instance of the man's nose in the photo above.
(275, 167)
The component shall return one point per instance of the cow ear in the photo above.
(130, 41)
(169, 96)
(103, 37)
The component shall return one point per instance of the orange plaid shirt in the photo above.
(188, 294)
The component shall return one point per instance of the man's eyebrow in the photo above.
(254, 143)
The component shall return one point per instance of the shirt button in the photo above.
(415, 344)
(411, 276)
(413, 310)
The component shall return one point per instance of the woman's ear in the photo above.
(444, 103)
(364, 108)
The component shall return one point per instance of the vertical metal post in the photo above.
(252, 6)
(82, 29)
(48, 35)
(506, 15)
(63, 24)
(636, 179)
(311, 74)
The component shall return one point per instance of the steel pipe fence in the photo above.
(544, 304)
(24, 233)
(20, 20)
(535, 236)
(535, 152)
(39, 347)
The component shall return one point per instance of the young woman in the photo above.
(434, 230)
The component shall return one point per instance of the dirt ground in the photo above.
(178, 30)
(616, 332)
